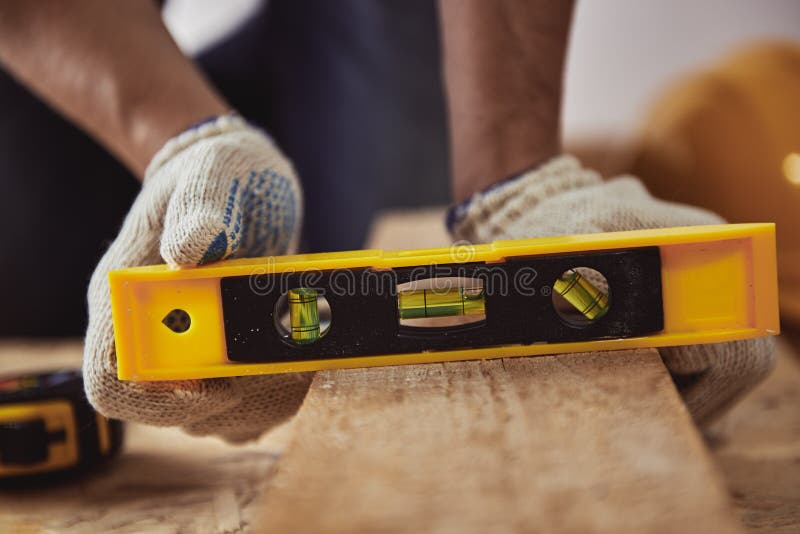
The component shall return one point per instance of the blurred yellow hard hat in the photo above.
(728, 139)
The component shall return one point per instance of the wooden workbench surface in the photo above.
(170, 482)
(533, 442)
(165, 481)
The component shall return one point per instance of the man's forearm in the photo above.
(504, 62)
(111, 67)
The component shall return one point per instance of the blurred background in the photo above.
(700, 99)
(623, 52)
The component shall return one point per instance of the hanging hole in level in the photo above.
(177, 320)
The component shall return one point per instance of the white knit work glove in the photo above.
(561, 198)
(221, 188)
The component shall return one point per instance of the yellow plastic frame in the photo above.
(719, 284)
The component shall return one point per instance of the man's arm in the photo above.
(111, 67)
(504, 63)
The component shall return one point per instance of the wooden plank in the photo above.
(595, 442)
(758, 448)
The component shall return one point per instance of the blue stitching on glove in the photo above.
(456, 213)
(266, 202)
(226, 219)
(216, 250)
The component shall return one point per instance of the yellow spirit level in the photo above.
(647, 288)
(48, 427)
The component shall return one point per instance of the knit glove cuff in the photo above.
(492, 211)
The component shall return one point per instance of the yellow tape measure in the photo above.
(647, 288)
(48, 427)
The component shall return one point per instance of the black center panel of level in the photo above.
(519, 308)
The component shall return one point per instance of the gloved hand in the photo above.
(561, 198)
(219, 189)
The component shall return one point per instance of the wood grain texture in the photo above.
(165, 481)
(595, 442)
(758, 448)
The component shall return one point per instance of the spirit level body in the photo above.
(717, 283)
